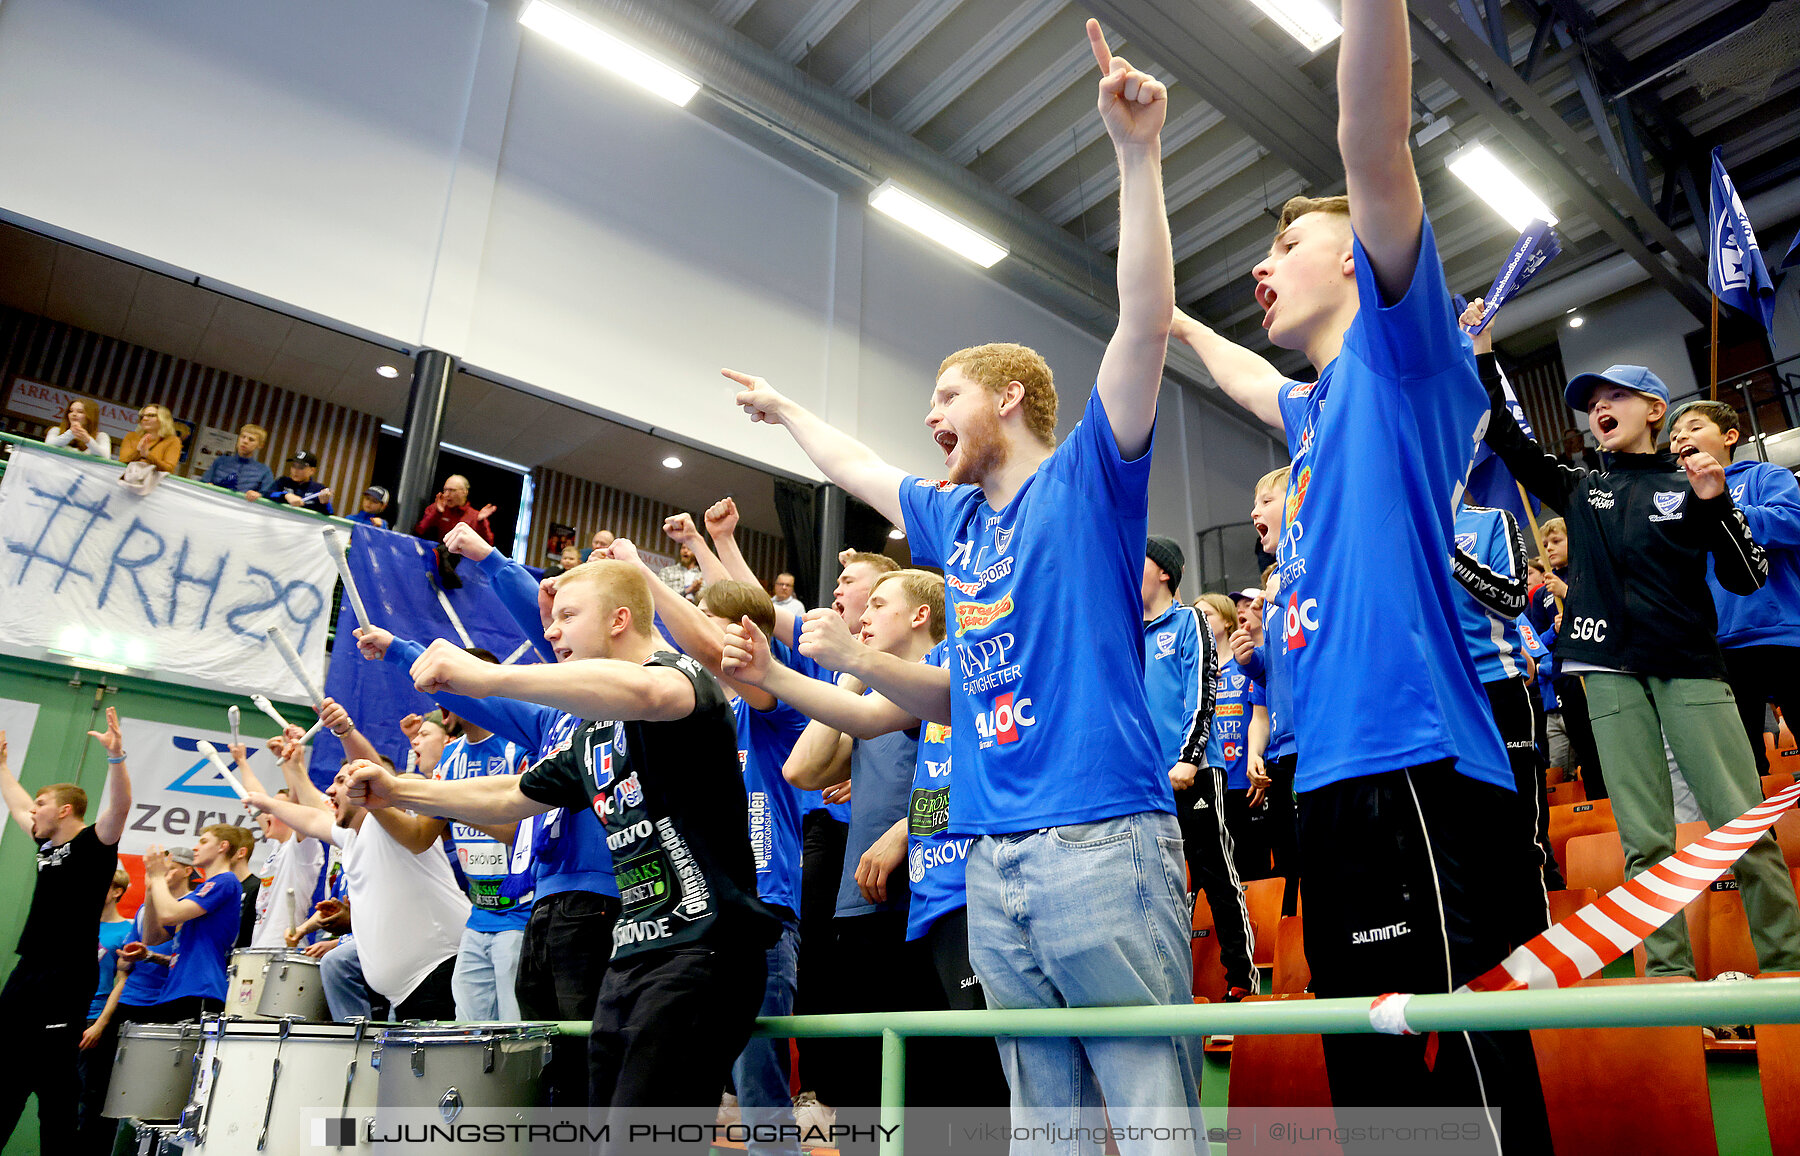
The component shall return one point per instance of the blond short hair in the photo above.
(734, 601)
(922, 588)
(66, 795)
(996, 365)
(1273, 480)
(1224, 605)
(619, 584)
(1553, 525)
(1297, 207)
(262, 435)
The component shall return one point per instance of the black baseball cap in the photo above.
(305, 458)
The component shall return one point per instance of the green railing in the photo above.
(1763, 1001)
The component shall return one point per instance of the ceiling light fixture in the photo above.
(897, 534)
(935, 224)
(388, 370)
(1575, 321)
(671, 462)
(1307, 21)
(1499, 186)
(609, 52)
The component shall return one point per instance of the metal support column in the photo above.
(893, 1093)
(830, 505)
(432, 371)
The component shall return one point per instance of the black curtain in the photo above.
(795, 505)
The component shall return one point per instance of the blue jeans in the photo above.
(1089, 915)
(761, 1070)
(341, 975)
(487, 971)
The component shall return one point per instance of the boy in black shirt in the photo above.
(688, 967)
(44, 1003)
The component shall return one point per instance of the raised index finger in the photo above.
(1097, 41)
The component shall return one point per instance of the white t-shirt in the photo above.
(293, 865)
(407, 910)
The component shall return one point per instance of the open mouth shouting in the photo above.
(946, 440)
(1265, 297)
(1605, 424)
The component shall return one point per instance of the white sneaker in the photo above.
(815, 1119)
(729, 1114)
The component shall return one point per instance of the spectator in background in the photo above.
(1576, 451)
(81, 430)
(566, 561)
(154, 440)
(683, 576)
(298, 487)
(450, 507)
(602, 544)
(239, 470)
(205, 926)
(115, 932)
(783, 595)
(374, 503)
(1759, 633)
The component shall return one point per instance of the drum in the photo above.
(291, 988)
(156, 1140)
(261, 1086)
(449, 1069)
(243, 980)
(152, 1071)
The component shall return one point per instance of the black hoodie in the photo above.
(1638, 542)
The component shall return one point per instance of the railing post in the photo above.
(893, 1093)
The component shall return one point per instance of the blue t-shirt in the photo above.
(810, 801)
(144, 986)
(1180, 667)
(241, 474)
(497, 877)
(1051, 725)
(1381, 447)
(1770, 500)
(368, 519)
(881, 775)
(935, 861)
(1268, 669)
(1488, 537)
(202, 944)
(1229, 747)
(765, 739)
(113, 936)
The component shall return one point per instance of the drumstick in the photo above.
(307, 737)
(263, 704)
(231, 780)
(231, 712)
(293, 915)
(334, 544)
(292, 658)
(517, 654)
(450, 613)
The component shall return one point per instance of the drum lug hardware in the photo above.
(418, 1059)
(450, 1106)
(487, 1058)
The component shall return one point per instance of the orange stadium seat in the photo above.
(1595, 861)
(1292, 972)
(1776, 781)
(1567, 902)
(1209, 969)
(1568, 791)
(1778, 1058)
(1278, 1072)
(1574, 819)
(1627, 1089)
(1263, 897)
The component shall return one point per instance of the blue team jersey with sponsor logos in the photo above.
(935, 861)
(1050, 721)
(764, 740)
(1493, 643)
(499, 877)
(1266, 670)
(1229, 748)
(1769, 498)
(202, 943)
(1381, 447)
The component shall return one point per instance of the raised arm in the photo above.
(1497, 580)
(1246, 377)
(18, 800)
(821, 758)
(593, 688)
(1548, 479)
(166, 911)
(918, 688)
(109, 824)
(840, 457)
(1374, 126)
(681, 529)
(698, 636)
(313, 822)
(489, 801)
(865, 716)
(517, 590)
(1133, 106)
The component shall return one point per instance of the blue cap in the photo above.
(1633, 377)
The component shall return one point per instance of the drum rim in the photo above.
(472, 1033)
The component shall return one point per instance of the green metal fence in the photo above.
(1765, 1001)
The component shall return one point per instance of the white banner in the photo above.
(176, 792)
(180, 585)
(18, 719)
(50, 405)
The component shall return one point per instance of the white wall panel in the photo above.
(301, 151)
(632, 250)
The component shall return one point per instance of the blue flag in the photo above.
(1734, 267)
(1793, 254)
(1490, 483)
(1534, 249)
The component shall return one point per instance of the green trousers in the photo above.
(1631, 716)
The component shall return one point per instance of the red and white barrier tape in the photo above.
(1618, 921)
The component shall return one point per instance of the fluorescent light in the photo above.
(609, 52)
(897, 534)
(935, 224)
(387, 370)
(1307, 21)
(1575, 321)
(1496, 184)
(671, 462)
(490, 459)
